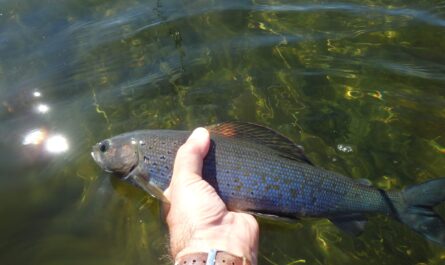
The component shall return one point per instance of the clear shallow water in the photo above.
(360, 84)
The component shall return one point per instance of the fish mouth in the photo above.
(96, 157)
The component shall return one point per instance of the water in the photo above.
(360, 84)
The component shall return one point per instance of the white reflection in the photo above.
(56, 144)
(344, 148)
(34, 137)
(37, 94)
(42, 108)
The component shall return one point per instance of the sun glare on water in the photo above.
(34, 137)
(56, 144)
(42, 108)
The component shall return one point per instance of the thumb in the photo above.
(190, 156)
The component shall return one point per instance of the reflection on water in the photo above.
(56, 144)
(53, 143)
(34, 137)
(42, 108)
(358, 83)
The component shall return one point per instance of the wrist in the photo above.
(212, 257)
(217, 255)
(221, 238)
(198, 246)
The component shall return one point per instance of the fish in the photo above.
(257, 170)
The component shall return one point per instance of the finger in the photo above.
(190, 156)
(167, 193)
(165, 209)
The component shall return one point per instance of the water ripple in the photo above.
(420, 15)
(431, 72)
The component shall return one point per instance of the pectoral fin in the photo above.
(353, 225)
(153, 190)
(135, 178)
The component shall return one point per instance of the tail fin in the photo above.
(417, 211)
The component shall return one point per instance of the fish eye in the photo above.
(103, 146)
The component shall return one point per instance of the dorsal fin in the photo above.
(261, 135)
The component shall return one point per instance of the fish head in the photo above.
(119, 155)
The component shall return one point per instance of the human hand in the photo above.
(197, 218)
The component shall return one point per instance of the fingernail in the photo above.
(198, 133)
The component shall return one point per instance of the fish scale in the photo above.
(257, 170)
(282, 185)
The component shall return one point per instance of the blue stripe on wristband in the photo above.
(211, 258)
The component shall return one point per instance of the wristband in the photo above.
(213, 257)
